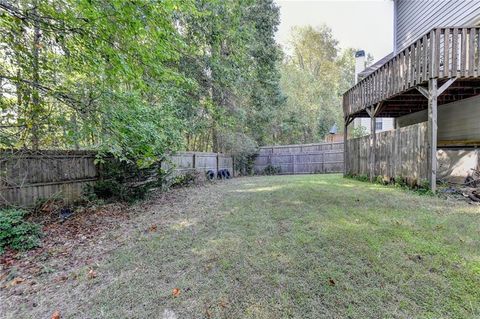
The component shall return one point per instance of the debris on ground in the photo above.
(469, 190)
(66, 235)
(75, 239)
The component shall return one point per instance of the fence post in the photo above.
(294, 164)
(217, 164)
(194, 159)
(323, 162)
(233, 166)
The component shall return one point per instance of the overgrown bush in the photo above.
(271, 170)
(15, 232)
(186, 179)
(243, 148)
(126, 181)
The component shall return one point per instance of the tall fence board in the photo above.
(403, 153)
(27, 176)
(398, 153)
(302, 158)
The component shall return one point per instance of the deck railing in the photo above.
(441, 53)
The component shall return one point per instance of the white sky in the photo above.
(361, 24)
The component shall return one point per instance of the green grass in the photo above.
(313, 246)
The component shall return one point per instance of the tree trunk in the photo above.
(36, 108)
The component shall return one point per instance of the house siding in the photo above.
(453, 125)
(413, 18)
(387, 124)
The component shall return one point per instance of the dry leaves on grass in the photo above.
(15, 281)
(175, 292)
(152, 228)
(56, 315)
(64, 242)
(91, 274)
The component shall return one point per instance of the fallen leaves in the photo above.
(91, 274)
(16, 281)
(175, 292)
(152, 228)
(208, 314)
(331, 282)
(56, 315)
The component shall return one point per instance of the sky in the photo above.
(361, 24)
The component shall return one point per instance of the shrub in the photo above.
(271, 170)
(126, 181)
(379, 179)
(422, 187)
(242, 147)
(186, 179)
(15, 232)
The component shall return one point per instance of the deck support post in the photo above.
(373, 112)
(373, 137)
(348, 120)
(432, 94)
(371, 149)
(345, 148)
(432, 134)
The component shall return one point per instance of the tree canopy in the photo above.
(314, 75)
(138, 79)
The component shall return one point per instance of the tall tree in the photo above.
(314, 76)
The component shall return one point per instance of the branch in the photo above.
(61, 96)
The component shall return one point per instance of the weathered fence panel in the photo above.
(398, 153)
(302, 158)
(26, 176)
(403, 153)
(300, 148)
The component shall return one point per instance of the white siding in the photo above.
(456, 121)
(413, 18)
(387, 123)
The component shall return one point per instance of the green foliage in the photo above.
(419, 187)
(186, 179)
(236, 68)
(125, 181)
(243, 148)
(379, 180)
(15, 232)
(314, 77)
(137, 79)
(271, 170)
(359, 131)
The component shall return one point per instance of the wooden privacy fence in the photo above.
(26, 177)
(302, 158)
(398, 153)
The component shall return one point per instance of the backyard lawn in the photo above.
(311, 246)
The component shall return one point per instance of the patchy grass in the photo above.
(284, 247)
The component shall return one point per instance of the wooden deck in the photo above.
(445, 54)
